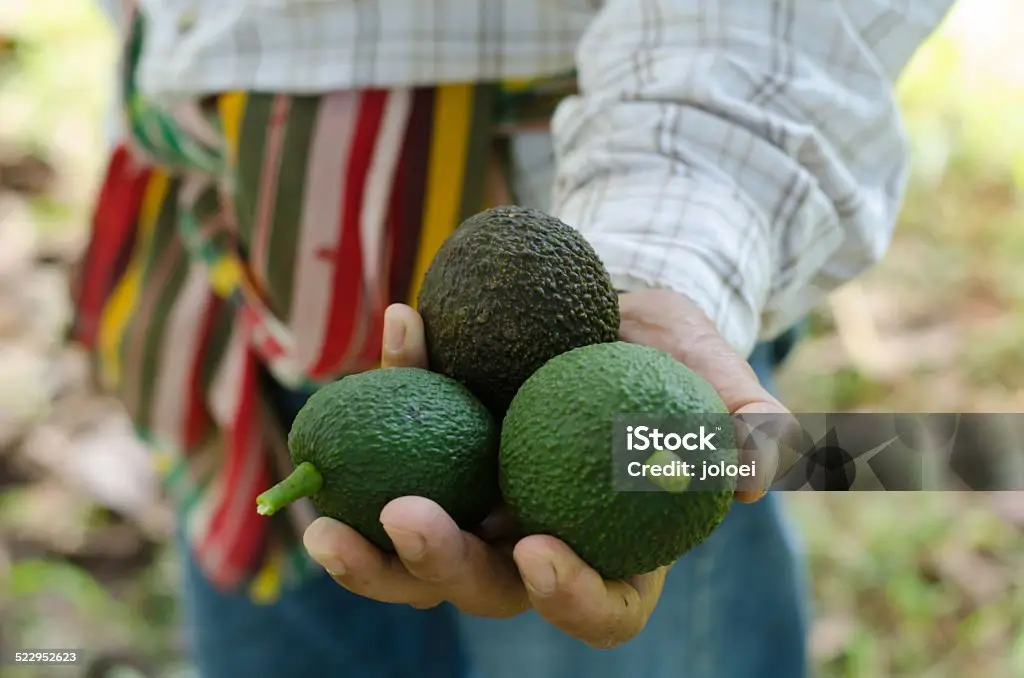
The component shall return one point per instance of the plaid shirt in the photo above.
(747, 153)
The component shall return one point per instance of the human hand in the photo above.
(490, 573)
(493, 573)
(671, 322)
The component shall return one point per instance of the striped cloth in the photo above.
(259, 233)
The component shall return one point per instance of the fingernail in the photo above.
(410, 546)
(539, 576)
(330, 562)
(335, 568)
(394, 333)
(759, 431)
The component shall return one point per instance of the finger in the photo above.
(684, 330)
(403, 344)
(707, 354)
(768, 442)
(500, 531)
(362, 568)
(498, 526)
(471, 575)
(572, 596)
(757, 450)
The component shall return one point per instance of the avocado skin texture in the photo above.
(556, 460)
(394, 432)
(510, 289)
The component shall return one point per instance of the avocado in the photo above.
(511, 288)
(372, 437)
(556, 458)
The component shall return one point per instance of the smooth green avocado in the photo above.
(511, 288)
(557, 463)
(372, 437)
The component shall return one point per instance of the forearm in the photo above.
(748, 154)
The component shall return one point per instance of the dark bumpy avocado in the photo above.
(510, 289)
(369, 438)
(556, 460)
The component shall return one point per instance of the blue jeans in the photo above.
(734, 607)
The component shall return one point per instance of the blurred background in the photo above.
(915, 585)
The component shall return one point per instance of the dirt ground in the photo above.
(921, 585)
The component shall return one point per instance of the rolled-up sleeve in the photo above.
(746, 153)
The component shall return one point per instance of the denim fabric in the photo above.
(734, 607)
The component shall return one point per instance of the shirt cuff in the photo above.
(715, 251)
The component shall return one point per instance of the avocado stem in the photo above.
(304, 481)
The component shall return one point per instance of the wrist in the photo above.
(731, 313)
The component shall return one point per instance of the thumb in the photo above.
(572, 596)
(403, 343)
(764, 426)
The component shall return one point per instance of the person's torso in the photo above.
(322, 45)
(307, 46)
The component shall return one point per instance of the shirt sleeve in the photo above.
(746, 153)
